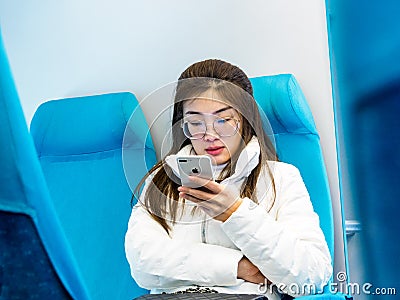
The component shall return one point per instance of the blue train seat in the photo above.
(298, 143)
(79, 144)
(36, 261)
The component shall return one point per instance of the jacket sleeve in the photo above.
(158, 261)
(289, 248)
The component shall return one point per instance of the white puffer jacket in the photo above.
(286, 243)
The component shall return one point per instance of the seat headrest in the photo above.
(85, 125)
(284, 104)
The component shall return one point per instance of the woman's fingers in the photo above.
(219, 202)
(202, 195)
(190, 198)
(207, 183)
(207, 205)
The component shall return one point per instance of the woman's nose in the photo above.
(210, 134)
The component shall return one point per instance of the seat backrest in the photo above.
(297, 140)
(79, 143)
(35, 258)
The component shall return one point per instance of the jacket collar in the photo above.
(247, 161)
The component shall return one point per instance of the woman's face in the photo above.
(214, 114)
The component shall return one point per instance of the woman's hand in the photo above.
(249, 272)
(220, 201)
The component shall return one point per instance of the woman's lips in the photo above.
(214, 150)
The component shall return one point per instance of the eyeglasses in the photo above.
(224, 127)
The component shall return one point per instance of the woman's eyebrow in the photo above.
(191, 112)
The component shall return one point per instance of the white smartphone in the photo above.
(196, 165)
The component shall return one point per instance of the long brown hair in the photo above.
(161, 196)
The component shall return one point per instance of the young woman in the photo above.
(251, 230)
